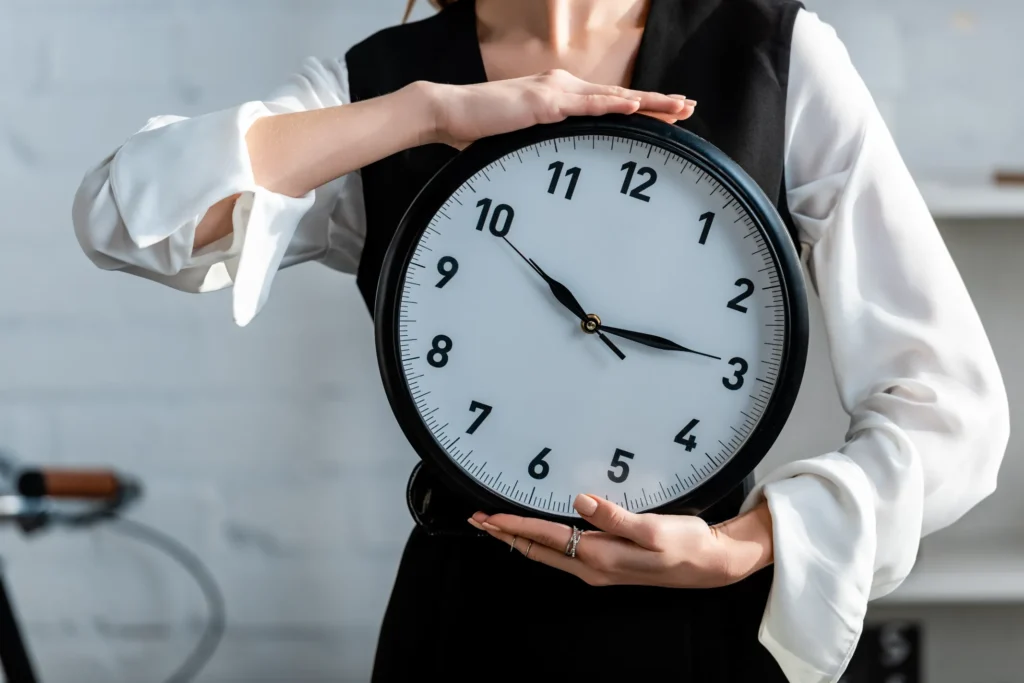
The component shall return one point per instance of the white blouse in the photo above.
(914, 368)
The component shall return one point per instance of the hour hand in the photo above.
(590, 324)
(653, 341)
(561, 292)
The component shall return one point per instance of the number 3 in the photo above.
(738, 375)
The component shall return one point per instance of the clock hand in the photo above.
(561, 292)
(590, 324)
(653, 341)
(610, 345)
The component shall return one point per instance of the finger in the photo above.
(664, 104)
(686, 113)
(609, 555)
(550, 534)
(596, 105)
(667, 118)
(545, 555)
(651, 101)
(607, 516)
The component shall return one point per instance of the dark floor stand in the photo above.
(14, 658)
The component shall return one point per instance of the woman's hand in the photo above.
(465, 113)
(642, 549)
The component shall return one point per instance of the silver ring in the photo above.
(513, 547)
(574, 540)
(529, 548)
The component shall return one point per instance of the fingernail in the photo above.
(480, 516)
(489, 527)
(678, 97)
(692, 103)
(475, 523)
(585, 505)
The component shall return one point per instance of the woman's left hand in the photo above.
(641, 549)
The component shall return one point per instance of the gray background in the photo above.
(270, 450)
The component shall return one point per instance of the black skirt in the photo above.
(467, 609)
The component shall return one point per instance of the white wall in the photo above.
(270, 451)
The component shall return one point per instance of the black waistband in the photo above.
(443, 512)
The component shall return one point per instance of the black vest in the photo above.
(732, 56)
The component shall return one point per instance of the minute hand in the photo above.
(652, 340)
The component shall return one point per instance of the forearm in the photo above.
(749, 541)
(294, 153)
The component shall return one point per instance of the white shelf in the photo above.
(950, 570)
(952, 200)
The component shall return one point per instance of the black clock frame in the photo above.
(640, 128)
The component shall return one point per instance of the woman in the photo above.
(777, 587)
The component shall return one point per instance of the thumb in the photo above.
(607, 516)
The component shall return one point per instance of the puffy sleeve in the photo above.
(929, 419)
(138, 209)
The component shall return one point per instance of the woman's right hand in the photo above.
(465, 113)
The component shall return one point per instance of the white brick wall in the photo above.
(270, 451)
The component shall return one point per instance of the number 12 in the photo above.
(637, 192)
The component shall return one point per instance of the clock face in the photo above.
(593, 313)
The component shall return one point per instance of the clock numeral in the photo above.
(573, 173)
(447, 266)
(738, 375)
(496, 217)
(473, 407)
(637, 192)
(539, 469)
(689, 442)
(708, 219)
(439, 348)
(748, 287)
(617, 461)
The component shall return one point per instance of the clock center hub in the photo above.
(591, 324)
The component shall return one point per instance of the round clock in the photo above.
(603, 305)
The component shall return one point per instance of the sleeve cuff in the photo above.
(214, 165)
(823, 547)
(265, 223)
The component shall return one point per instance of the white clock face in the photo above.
(537, 409)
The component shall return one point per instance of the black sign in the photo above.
(887, 653)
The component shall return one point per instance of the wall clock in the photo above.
(603, 305)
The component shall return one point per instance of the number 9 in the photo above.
(447, 266)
